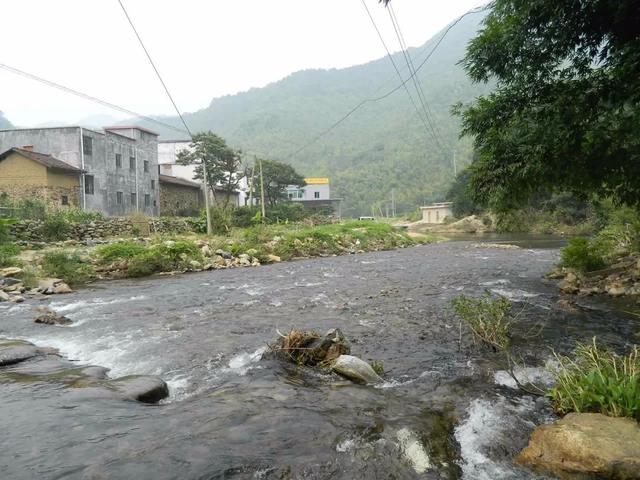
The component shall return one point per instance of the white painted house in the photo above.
(437, 212)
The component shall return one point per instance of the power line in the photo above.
(392, 91)
(422, 119)
(416, 83)
(87, 97)
(155, 69)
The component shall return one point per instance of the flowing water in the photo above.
(445, 411)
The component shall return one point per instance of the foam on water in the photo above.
(243, 362)
(412, 450)
(515, 294)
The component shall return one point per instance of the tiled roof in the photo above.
(41, 158)
(178, 181)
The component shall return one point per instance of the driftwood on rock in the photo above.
(311, 348)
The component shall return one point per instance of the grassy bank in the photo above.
(252, 246)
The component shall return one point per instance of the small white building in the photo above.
(314, 189)
(437, 212)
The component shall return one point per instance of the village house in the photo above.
(316, 193)
(28, 174)
(114, 171)
(437, 212)
(180, 197)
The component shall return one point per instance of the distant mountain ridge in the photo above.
(381, 147)
(4, 123)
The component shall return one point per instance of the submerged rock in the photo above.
(355, 369)
(143, 388)
(52, 318)
(309, 348)
(586, 445)
(15, 351)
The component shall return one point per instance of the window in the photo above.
(134, 199)
(147, 200)
(154, 203)
(119, 198)
(132, 163)
(153, 184)
(88, 184)
(87, 145)
(118, 160)
(146, 166)
(64, 200)
(316, 194)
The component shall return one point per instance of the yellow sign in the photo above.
(316, 181)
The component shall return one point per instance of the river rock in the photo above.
(308, 348)
(219, 261)
(274, 258)
(206, 251)
(244, 259)
(62, 288)
(9, 282)
(586, 445)
(15, 351)
(143, 388)
(10, 272)
(223, 254)
(355, 369)
(52, 318)
(4, 297)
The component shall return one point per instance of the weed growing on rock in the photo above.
(7, 255)
(119, 251)
(487, 317)
(595, 379)
(66, 265)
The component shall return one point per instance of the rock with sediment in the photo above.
(355, 369)
(10, 272)
(52, 318)
(16, 351)
(143, 388)
(309, 348)
(586, 445)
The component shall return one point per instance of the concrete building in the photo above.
(29, 175)
(315, 194)
(118, 166)
(437, 212)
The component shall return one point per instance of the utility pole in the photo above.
(253, 176)
(264, 213)
(455, 168)
(393, 203)
(206, 196)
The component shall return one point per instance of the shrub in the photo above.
(487, 317)
(119, 251)
(77, 215)
(597, 380)
(55, 227)
(582, 255)
(4, 229)
(163, 257)
(30, 209)
(66, 265)
(7, 254)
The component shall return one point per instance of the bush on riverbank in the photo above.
(583, 255)
(68, 266)
(164, 257)
(597, 380)
(8, 252)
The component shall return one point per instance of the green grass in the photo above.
(163, 257)
(119, 251)
(8, 253)
(583, 255)
(67, 266)
(594, 379)
(488, 318)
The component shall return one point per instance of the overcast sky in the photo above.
(203, 48)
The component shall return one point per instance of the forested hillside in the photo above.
(380, 147)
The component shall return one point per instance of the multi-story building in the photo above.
(117, 168)
(316, 193)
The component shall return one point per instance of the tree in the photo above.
(459, 193)
(277, 176)
(223, 164)
(566, 111)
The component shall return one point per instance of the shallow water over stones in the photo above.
(230, 415)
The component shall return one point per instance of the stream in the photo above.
(446, 410)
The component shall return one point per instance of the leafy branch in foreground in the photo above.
(595, 379)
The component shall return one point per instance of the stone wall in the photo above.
(51, 195)
(31, 230)
(180, 200)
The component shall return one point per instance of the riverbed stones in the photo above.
(50, 286)
(16, 351)
(355, 369)
(11, 272)
(224, 254)
(52, 318)
(143, 388)
(310, 348)
(586, 445)
(274, 258)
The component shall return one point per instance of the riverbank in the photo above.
(59, 267)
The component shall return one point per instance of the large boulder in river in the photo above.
(143, 388)
(52, 318)
(355, 369)
(586, 445)
(15, 351)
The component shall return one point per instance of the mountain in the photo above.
(383, 146)
(4, 123)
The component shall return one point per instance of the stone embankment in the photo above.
(13, 288)
(621, 279)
